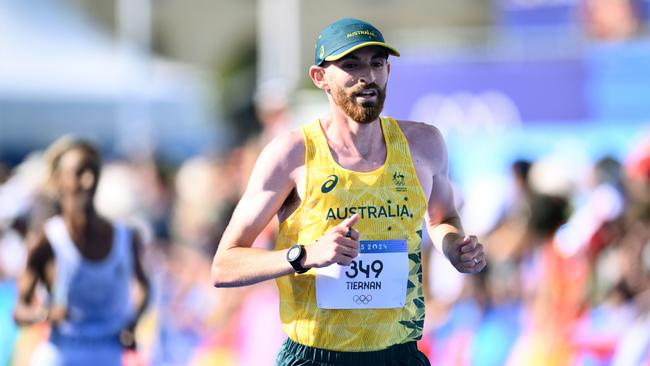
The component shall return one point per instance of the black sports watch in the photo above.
(294, 255)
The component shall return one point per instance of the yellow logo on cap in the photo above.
(322, 51)
(361, 32)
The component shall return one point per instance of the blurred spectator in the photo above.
(4, 172)
(189, 311)
(156, 194)
(119, 198)
(637, 170)
(17, 193)
(611, 20)
(552, 288)
(272, 109)
(505, 239)
(597, 332)
(634, 345)
(203, 192)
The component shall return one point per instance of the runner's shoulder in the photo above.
(420, 134)
(287, 148)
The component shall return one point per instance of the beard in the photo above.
(364, 112)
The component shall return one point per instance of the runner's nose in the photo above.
(366, 75)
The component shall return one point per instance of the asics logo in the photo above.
(362, 299)
(329, 184)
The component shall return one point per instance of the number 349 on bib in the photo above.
(375, 279)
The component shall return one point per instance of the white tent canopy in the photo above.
(60, 74)
(46, 49)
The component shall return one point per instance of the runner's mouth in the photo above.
(367, 93)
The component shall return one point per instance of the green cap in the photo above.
(347, 35)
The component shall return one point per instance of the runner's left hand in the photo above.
(466, 254)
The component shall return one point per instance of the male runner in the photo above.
(351, 192)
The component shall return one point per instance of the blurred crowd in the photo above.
(568, 276)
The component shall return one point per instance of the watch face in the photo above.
(293, 253)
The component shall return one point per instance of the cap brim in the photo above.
(391, 50)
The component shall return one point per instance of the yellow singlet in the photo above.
(391, 205)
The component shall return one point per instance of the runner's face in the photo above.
(358, 83)
(77, 175)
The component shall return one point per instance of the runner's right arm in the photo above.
(273, 178)
(40, 269)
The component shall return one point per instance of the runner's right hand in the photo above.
(334, 246)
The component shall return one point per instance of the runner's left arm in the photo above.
(127, 336)
(442, 219)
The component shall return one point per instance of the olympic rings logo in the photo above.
(362, 299)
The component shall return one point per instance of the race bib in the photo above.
(376, 279)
